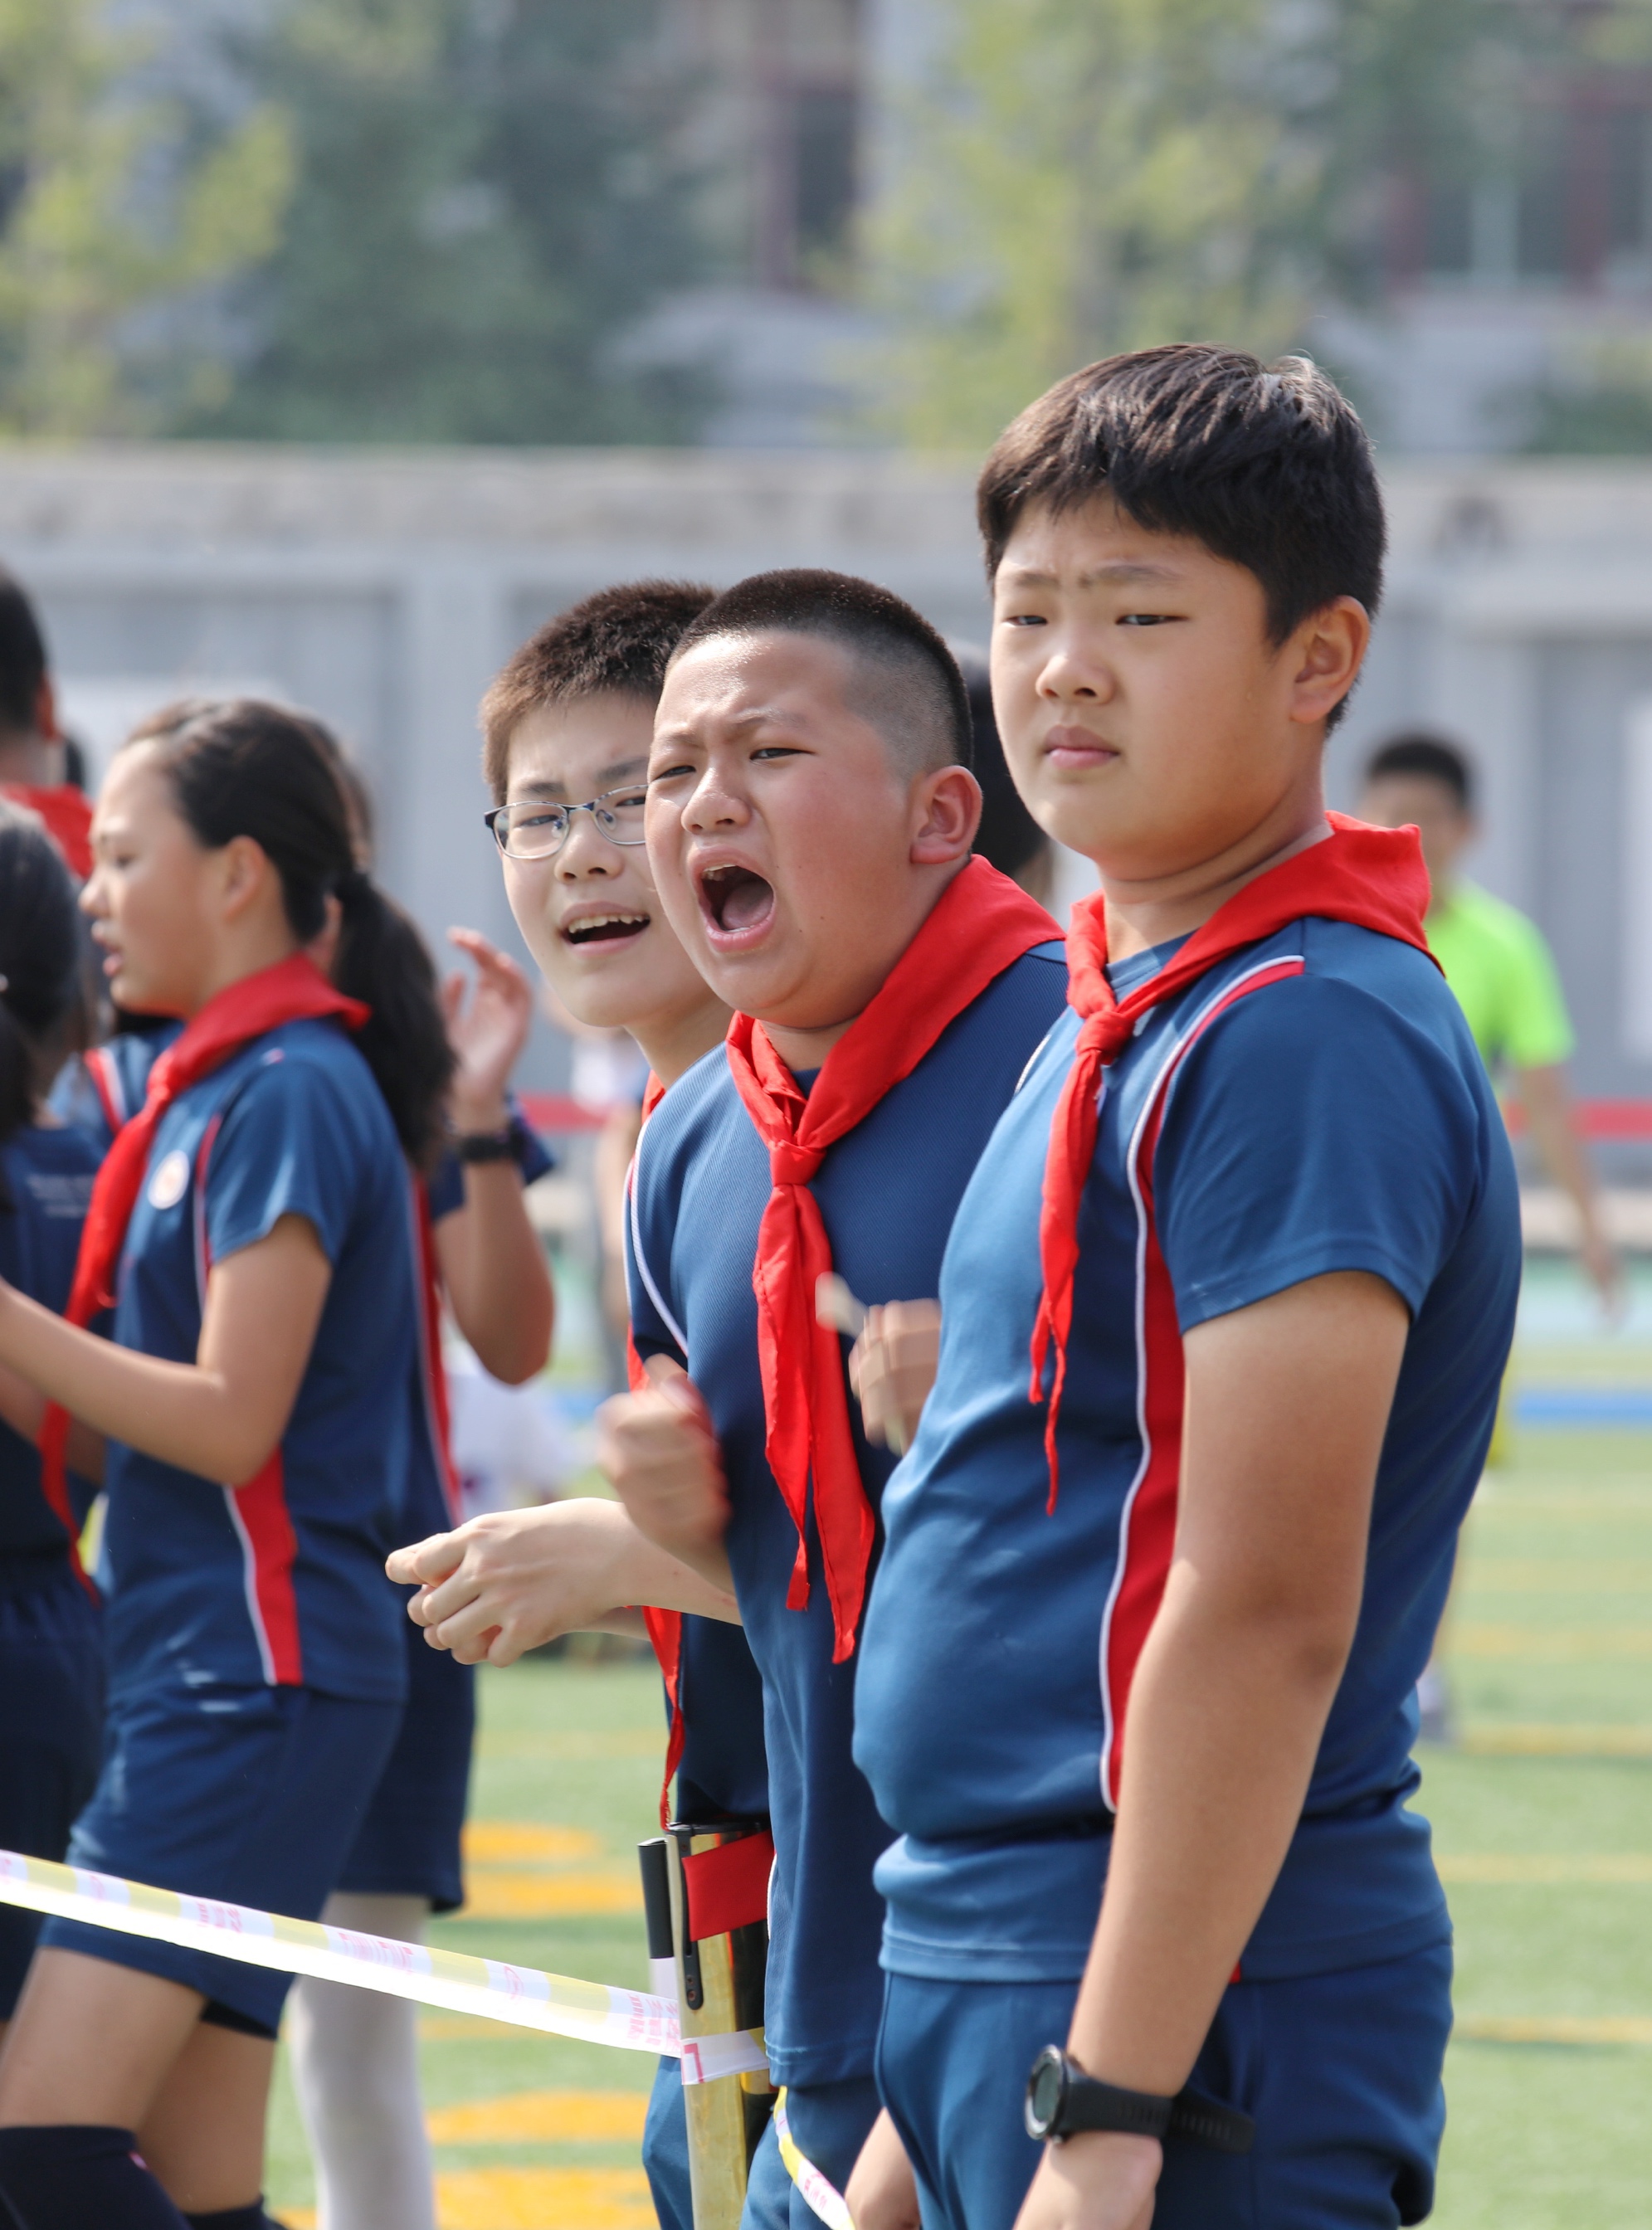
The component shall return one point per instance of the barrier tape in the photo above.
(823, 2197)
(595, 2013)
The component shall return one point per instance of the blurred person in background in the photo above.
(1498, 963)
(1009, 838)
(1500, 968)
(35, 768)
(51, 1640)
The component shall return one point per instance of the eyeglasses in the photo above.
(531, 830)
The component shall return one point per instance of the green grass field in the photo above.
(1543, 1829)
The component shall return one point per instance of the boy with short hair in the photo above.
(810, 819)
(1147, 1626)
(566, 728)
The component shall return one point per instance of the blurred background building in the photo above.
(343, 340)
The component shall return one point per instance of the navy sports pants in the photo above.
(1341, 2072)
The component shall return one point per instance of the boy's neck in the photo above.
(29, 759)
(1142, 915)
(672, 1047)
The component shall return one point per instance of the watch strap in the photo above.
(1088, 2103)
(486, 1145)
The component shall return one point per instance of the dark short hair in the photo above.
(615, 643)
(22, 657)
(1267, 467)
(1419, 756)
(1008, 838)
(915, 698)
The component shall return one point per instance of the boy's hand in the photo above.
(512, 1579)
(892, 1368)
(882, 2193)
(1100, 2181)
(661, 1457)
(487, 1030)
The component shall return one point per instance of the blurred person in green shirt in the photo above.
(1502, 970)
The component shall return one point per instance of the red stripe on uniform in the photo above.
(1147, 1530)
(257, 1511)
(270, 1547)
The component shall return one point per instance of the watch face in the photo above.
(1045, 2090)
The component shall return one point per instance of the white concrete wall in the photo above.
(384, 589)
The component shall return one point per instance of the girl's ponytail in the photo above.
(42, 1007)
(243, 768)
(382, 960)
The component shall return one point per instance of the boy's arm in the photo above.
(493, 1265)
(514, 1579)
(1287, 1405)
(1552, 1114)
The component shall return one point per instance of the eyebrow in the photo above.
(1120, 571)
(607, 777)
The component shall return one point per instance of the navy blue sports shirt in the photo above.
(1314, 1103)
(888, 1193)
(47, 1174)
(280, 1580)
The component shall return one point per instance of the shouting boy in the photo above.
(1148, 1629)
(811, 816)
(566, 728)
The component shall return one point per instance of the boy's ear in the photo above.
(1328, 650)
(946, 809)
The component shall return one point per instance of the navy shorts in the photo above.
(51, 1732)
(1341, 2072)
(250, 1794)
(407, 1844)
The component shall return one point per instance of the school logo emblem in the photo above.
(170, 1181)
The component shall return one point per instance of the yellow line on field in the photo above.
(1485, 1867)
(542, 2117)
(526, 1842)
(536, 2198)
(1554, 2028)
(1515, 1740)
(494, 1896)
(533, 2199)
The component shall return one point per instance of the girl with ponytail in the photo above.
(250, 1230)
(51, 1650)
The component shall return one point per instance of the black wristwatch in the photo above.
(1062, 2100)
(473, 1146)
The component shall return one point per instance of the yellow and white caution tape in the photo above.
(595, 2012)
(824, 2198)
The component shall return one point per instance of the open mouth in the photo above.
(605, 928)
(735, 901)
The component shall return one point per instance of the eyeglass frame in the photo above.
(594, 806)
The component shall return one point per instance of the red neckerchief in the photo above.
(67, 812)
(1372, 877)
(293, 990)
(981, 924)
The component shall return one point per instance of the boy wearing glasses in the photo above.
(566, 728)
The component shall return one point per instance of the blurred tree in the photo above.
(1077, 177)
(485, 196)
(113, 207)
